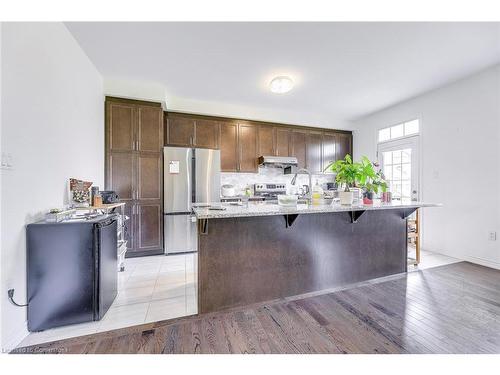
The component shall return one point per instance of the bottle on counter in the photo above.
(97, 200)
(317, 194)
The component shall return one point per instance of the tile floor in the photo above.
(150, 289)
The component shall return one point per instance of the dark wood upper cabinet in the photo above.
(241, 142)
(229, 147)
(206, 133)
(150, 129)
(282, 141)
(120, 119)
(298, 147)
(247, 136)
(329, 149)
(265, 140)
(180, 131)
(314, 152)
(344, 145)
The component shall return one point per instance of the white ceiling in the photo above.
(342, 71)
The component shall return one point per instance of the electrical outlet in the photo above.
(492, 236)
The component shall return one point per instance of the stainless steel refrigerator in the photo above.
(191, 175)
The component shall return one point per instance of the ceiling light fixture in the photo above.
(281, 84)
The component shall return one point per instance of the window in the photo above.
(398, 131)
(396, 167)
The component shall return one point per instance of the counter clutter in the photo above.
(270, 209)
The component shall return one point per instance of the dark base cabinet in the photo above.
(248, 260)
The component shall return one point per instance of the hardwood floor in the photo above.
(449, 309)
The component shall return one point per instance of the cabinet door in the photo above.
(282, 141)
(228, 147)
(149, 227)
(329, 150)
(313, 156)
(121, 175)
(344, 142)
(206, 134)
(265, 141)
(130, 225)
(299, 147)
(180, 131)
(150, 128)
(247, 141)
(120, 119)
(149, 181)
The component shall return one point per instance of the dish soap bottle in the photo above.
(317, 194)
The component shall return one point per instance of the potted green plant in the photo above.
(370, 179)
(347, 173)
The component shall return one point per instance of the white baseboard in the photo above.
(483, 262)
(14, 338)
(469, 258)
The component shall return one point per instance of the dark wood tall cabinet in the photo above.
(134, 144)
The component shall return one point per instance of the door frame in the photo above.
(415, 140)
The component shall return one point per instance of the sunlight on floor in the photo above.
(429, 259)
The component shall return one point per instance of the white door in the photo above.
(399, 161)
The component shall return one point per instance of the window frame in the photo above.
(403, 136)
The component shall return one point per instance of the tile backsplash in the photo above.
(270, 175)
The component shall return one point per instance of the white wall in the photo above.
(1, 173)
(151, 91)
(131, 89)
(53, 125)
(460, 156)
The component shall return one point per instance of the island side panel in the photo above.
(247, 260)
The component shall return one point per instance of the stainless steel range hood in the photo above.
(278, 161)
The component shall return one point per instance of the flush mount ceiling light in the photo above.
(281, 84)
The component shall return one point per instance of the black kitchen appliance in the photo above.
(109, 196)
(72, 271)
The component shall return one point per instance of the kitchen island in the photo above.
(261, 252)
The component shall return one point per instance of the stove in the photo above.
(269, 191)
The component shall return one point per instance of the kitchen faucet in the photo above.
(294, 180)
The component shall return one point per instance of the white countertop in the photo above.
(270, 209)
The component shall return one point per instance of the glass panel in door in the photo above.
(399, 162)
